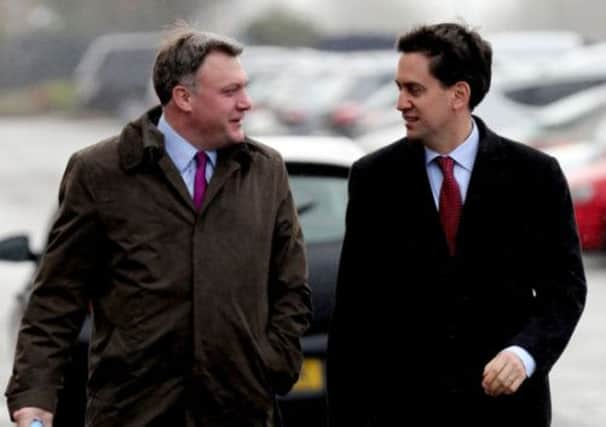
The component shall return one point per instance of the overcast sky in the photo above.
(394, 16)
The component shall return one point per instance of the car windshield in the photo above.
(321, 203)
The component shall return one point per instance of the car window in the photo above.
(586, 127)
(546, 93)
(127, 67)
(321, 201)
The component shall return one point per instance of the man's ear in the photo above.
(461, 92)
(181, 96)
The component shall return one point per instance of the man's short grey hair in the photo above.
(181, 55)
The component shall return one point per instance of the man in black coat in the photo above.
(461, 279)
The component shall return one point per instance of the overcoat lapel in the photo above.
(486, 183)
(422, 199)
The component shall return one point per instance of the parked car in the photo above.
(318, 168)
(584, 164)
(72, 398)
(114, 72)
(518, 53)
(588, 190)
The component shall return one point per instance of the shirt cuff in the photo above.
(527, 359)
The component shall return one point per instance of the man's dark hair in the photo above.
(182, 53)
(456, 54)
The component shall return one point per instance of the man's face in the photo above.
(219, 101)
(425, 104)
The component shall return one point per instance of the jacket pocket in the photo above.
(281, 373)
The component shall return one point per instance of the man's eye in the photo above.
(415, 90)
(230, 90)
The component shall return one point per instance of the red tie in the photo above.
(450, 202)
(200, 179)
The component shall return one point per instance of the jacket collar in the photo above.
(489, 146)
(140, 142)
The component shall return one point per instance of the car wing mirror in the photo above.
(16, 249)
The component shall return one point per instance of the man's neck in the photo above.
(179, 125)
(452, 136)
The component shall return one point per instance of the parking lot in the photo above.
(35, 151)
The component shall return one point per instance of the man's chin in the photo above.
(238, 138)
(234, 138)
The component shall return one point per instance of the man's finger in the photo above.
(492, 370)
(515, 385)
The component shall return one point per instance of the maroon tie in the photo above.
(200, 179)
(450, 202)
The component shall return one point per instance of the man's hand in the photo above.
(504, 374)
(25, 416)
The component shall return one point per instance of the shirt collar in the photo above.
(179, 149)
(465, 154)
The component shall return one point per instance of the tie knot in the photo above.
(446, 163)
(201, 159)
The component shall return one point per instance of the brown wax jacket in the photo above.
(195, 312)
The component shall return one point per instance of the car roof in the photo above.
(326, 150)
(95, 53)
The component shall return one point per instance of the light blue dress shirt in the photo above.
(183, 155)
(464, 156)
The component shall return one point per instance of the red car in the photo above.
(588, 188)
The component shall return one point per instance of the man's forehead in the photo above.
(218, 59)
(222, 67)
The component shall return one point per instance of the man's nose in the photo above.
(245, 102)
(403, 101)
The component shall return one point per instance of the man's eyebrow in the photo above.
(409, 84)
(236, 84)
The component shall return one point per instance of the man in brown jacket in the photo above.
(182, 236)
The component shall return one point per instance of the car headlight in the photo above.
(581, 193)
